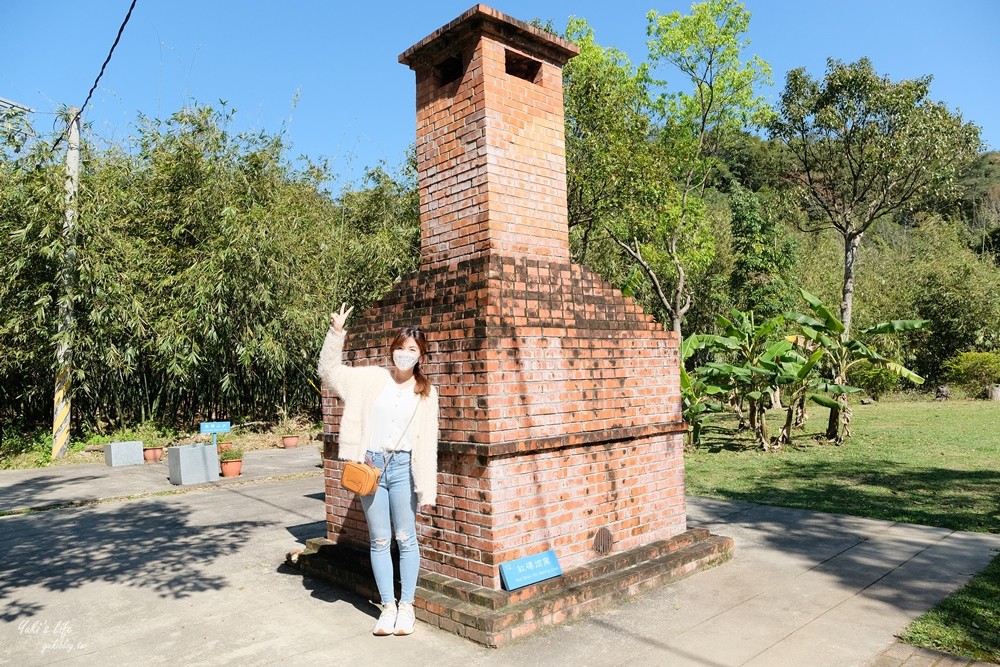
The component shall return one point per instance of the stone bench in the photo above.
(117, 454)
(193, 464)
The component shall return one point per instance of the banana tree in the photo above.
(698, 393)
(755, 379)
(842, 352)
(750, 342)
(795, 375)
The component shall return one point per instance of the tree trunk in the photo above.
(852, 244)
(752, 412)
(833, 425)
(762, 437)
(785, 437)
(800, 413)
(737, 404)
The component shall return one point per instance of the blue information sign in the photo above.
(215, 427)
(529, 570)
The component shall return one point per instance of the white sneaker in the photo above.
(405, 619)
(386, 621)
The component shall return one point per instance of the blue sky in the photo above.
(356, 103)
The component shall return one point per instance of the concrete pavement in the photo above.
(194, 576)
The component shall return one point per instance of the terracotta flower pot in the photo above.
(232, 468)
(152, 454)
(289, 441)
(223, 446)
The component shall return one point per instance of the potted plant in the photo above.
(152, 453)
(223, 446)
(231, 461)
(289, 441)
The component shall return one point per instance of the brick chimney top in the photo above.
(481, 18)
(491, 153)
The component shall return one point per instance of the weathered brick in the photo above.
(560, 407)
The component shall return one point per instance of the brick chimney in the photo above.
(490, 148)
(560, 402)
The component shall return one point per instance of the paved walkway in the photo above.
(194, 576)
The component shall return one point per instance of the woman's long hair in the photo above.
(422, 385)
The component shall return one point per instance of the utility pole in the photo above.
(61, 413)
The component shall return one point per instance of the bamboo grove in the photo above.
(206, 262)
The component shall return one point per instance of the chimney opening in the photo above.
(522, 67)
(451, 69)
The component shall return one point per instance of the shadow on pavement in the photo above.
(26, 493)
(142, 543)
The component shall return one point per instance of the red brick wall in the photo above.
(559, 414)
(528, 502)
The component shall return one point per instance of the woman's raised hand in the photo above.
(337, 320)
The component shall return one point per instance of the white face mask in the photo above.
(404, 359)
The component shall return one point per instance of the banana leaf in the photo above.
(808, 365)
(903, 372)
(831, 322)
(836, 388)
(825, 401)
(895, 326)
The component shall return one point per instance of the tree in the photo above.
(763, 257)
(752, 347)
(866, 148)
(706, 48)
(640, 155)
(608, 153)
(824, 332)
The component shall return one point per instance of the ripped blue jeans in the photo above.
(393, 506)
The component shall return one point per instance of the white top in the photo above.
(391, 413)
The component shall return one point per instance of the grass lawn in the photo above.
(917, 461)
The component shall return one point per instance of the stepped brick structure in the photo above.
(560, 401)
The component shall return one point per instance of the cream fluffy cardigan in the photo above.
(359, 387)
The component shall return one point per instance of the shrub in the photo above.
(877, 381)
(234, 454)
(974, 371)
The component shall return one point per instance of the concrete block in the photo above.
(118, 454)
(193, 464)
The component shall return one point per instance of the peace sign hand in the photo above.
(337, 320)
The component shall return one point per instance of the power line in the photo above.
(101, 73)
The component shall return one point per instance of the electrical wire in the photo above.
(107, 60)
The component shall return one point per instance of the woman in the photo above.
(390, 420)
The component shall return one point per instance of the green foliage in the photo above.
(762, 258)
(717, 100)
(957, 291)
(974, 371)
(608, 155)
(877, 381)
(206, 264)
(823, 331)
(16, 444)
(867, 148)
(640, 153)
(231, 454)
(751, 366)
(699, 396)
